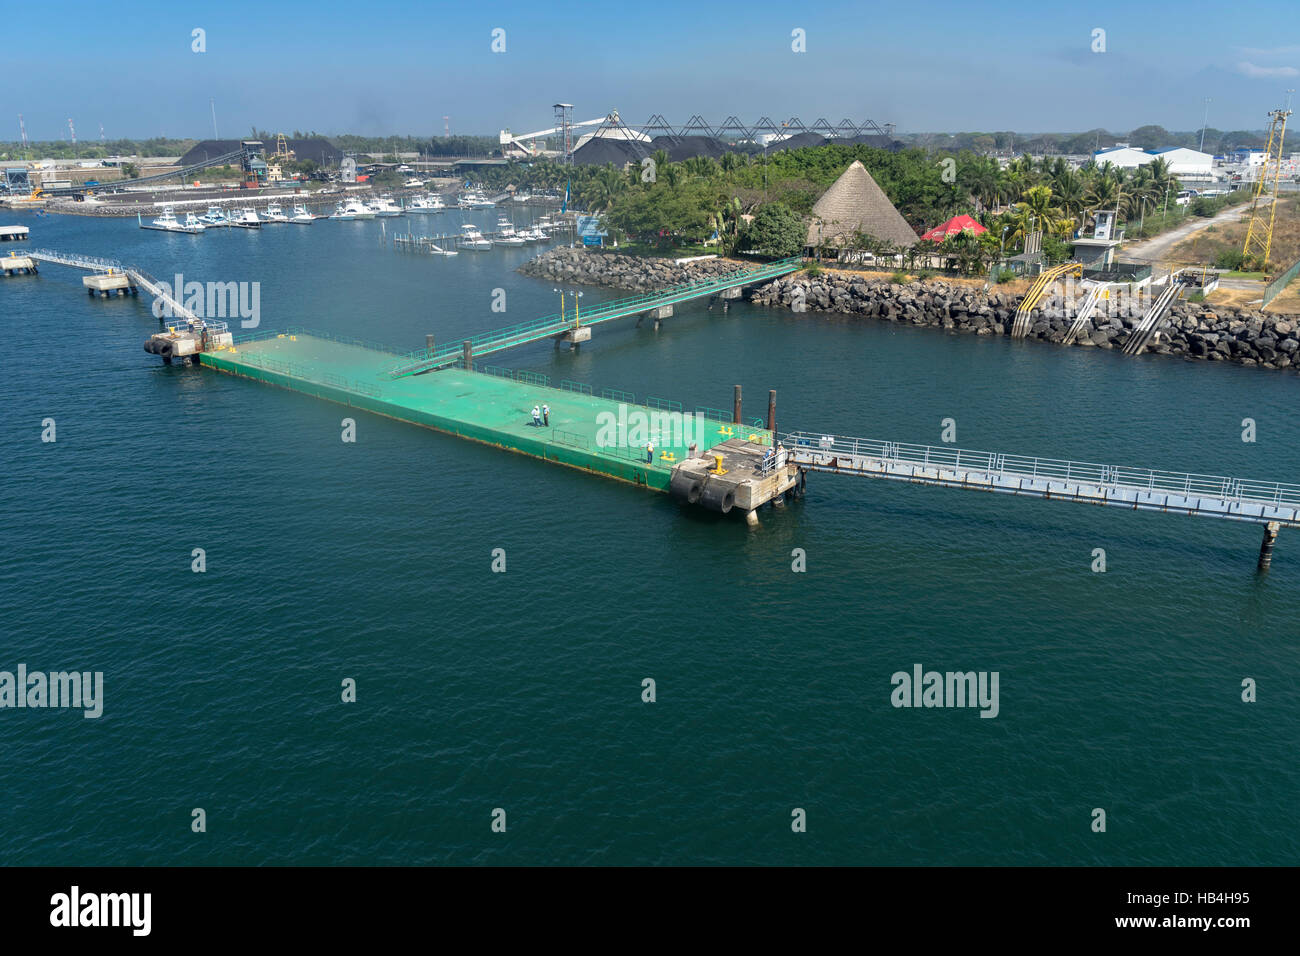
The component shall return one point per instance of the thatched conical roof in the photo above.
(855, 203)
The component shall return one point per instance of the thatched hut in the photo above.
(854, 203)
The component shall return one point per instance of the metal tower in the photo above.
(564, 124)
(1259, 234)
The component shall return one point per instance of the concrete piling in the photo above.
(1266, 547)
(428, 343)
(771, 412)
(735, 417)
(468, 355)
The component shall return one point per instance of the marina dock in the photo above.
(494, 406)
(710, 458)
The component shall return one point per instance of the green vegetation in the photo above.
(1230, 259)
(776, 232)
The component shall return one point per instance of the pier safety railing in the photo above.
(1140, 489)
(424, 360)
(89, 263)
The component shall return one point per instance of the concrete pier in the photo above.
(106, 284)
(659, 314)
(13, 233)
(738, 473)
(17, 265)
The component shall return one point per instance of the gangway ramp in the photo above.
(138, 277)
(554, 326)
(1136, 489)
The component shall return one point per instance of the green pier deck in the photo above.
(491, 405)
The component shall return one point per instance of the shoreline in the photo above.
(1193, 331)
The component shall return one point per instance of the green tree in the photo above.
(776, 231)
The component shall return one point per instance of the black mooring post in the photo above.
(1266, 548)
(735, 416)
(468, 348)
(771, 412)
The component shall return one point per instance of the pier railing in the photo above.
(90, 263)
(1108, 484)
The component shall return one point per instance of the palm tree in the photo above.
(1068, 188)
(1104, 193)
(661, 160)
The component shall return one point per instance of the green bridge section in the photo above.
(490, 405)
(424, 360)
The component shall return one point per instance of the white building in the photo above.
(1182, 161)
(1187, 163)
(1123, 156)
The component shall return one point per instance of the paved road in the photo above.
(1155, 250)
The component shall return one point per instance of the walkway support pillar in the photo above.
(1266, 548)
(735, 415)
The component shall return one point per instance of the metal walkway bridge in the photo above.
(139, 277)
(553, 326)
(1137, 489)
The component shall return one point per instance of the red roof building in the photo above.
(952, 227)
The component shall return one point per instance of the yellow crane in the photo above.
(1259, 234)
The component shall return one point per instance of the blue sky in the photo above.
(380, 67)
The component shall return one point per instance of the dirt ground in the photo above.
(1017, 286)
(1201, 247)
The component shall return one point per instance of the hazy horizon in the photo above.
(1016, 67)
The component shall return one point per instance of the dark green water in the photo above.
(521, 690)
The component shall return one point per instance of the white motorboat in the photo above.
(385, 207)
(302, 216)
(341, 212)
(214, 218)
(167, 222)
(414, 183)
(247, 219)
(471, 238)
(274, 213)
(435, 250)
(358, 210)
(506, 235)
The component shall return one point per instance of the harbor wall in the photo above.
(1200, 331)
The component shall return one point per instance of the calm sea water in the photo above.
(522, 690)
